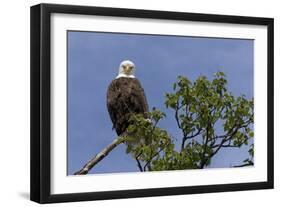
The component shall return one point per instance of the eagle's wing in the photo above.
(138, 97)
(112, 93)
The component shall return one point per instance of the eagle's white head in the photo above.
(126, 69)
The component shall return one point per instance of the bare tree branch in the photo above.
(177, 114)
(139, 165)
(190, 137)
(138, 162)
(203, 157)
(98, 157)
(245, 165)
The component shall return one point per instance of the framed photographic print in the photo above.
(132, 103)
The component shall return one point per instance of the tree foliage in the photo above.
(209, 117)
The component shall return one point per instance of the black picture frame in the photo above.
(41, 98)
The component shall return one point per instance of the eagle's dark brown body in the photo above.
(125, 96)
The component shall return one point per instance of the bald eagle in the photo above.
(125, 95)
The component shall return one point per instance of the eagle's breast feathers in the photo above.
(125, 96)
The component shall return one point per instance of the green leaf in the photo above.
(174, 86)
(251, 134)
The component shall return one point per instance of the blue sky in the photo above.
(93, 62)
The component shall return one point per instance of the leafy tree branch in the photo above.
(209, 117)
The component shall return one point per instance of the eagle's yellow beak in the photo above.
(127, 69)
